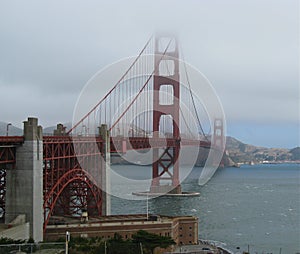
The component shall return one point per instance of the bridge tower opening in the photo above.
(165, 167)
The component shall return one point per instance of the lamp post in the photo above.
(7, 128)
(68, 237)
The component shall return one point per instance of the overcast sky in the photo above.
(249, 50)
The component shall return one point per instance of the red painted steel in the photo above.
(8, 146)
(218, 141)
(138, 143)
(218, 137)
(11, 140)
(71, 193)
(63, 176)
(68, 187)
(2, 190)
(166, 166)
(7, 154)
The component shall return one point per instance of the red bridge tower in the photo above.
(165, 166)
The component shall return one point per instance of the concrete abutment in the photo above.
(24, 194)
(24, 180)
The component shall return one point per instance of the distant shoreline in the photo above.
(266, 163)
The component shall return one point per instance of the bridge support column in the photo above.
(24, 193)
(105, 170)
(165, 167)
(218, 141)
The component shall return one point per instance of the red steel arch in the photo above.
(68, 187)
(70, 176)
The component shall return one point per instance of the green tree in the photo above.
(150, 241)
(116, 245)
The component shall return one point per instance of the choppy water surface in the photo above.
(256, 205)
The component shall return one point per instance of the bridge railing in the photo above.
(11, 139)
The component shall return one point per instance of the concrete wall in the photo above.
(19, 232)
(25, 183)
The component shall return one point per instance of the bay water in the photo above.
(255, 207)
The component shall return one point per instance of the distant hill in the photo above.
(240, 152)
(295, 153)
(15, 131)
(12, 130)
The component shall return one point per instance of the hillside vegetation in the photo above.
(244, 153)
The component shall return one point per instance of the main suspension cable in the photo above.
(140, 91)
(193, 101)
(113, 88)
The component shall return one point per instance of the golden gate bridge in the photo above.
(147, 108)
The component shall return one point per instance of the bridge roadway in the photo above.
(8, 148)
(118, 144)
